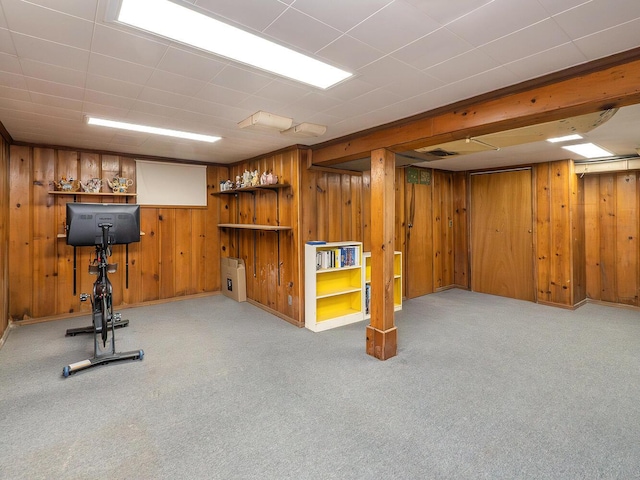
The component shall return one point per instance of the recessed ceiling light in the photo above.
(588, 150)
(566, 138)
(154, 130)
(185, 25)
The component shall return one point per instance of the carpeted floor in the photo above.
(482, 387)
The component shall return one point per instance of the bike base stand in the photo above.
(101, 360)
(72, 332)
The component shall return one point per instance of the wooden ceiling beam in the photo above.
(614, 86)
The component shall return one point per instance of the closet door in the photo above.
(501, 234)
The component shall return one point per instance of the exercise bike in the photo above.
(104, 320)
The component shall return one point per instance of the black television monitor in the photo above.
(84, 223)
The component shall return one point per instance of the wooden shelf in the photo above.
(276, 186)
(250, 226)
(99, 194)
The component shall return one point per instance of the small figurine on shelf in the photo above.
(93, 185)
(120, 184)
(238, 181)
(255, 178)
(65, 185)
(263, 178)
(228, 185)
(246, 178)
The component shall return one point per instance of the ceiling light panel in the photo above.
(148, 129)
(588, 150)
(566, 138)
(184, 25)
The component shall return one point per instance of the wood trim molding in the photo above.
(4, 133)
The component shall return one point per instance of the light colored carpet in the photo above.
(482, 387)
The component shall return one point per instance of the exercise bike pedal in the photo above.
(84, 297)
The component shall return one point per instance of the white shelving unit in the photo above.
(333, 293)
(366, 282)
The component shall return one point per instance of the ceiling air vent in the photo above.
(439, 152)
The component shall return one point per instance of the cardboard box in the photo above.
(234, 282)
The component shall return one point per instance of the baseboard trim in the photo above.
(292, 321)
(64, 316)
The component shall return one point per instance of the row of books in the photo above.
(338, 257)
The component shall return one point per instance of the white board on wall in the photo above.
(171, 184)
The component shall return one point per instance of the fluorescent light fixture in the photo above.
(154, 130)
(185, 25)
(266, 121)
(306, 129)
(588, 150)
(566, 138)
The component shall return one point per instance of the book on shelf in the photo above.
(339, 257)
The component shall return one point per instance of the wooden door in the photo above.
(501, 234)
(418, 261)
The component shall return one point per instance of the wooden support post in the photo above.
(381, 333)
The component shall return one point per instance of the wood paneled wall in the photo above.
(560, 236)
(612, 212)
(272, 259)
(4, 235)
(177, 256)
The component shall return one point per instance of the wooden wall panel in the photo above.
(443, 258)
(4, 236)
(419, 237)
(20, 233)
(578, 234)
(612, 203)
(178, 255)
(460, 230)
(272, 260)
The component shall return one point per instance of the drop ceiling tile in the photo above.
(126, 46)
(174, 83)
(6, 42)
(487, 81)
(364, 104)
(350, 13)
(54, 89)
(105, 111)
(111, 86)
(53, 73)
(255, 14)
(463, 66)
(318, 102)
(604, 43)
(119, 69)
(58, 102)
(160, 97)
(214, 110)
(349, 53)
(553, 7)
(354, 87)
(29, 19)
(595, 16)
(414, 85)
(182, 62)
(10, 64)
(380, 32)
(50, 52)
(528, 41)
(217, 94)
(281, 91)
(552, 60)
(497, 19)
(107, 100)
(301, 31)
(445, 11)
(256, 103)
(385, 71)
(241, 80)
(85, 9)
(3, 20)
(13, 80)
(432, 49)
(9, 95)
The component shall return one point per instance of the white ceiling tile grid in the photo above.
(63, 59)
